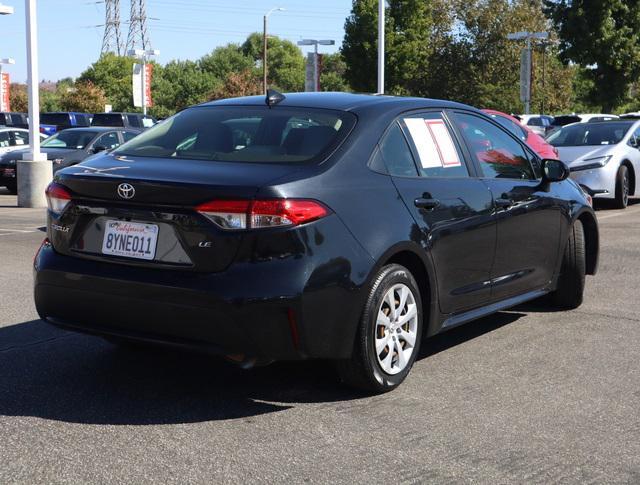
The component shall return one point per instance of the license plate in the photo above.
(130, 239)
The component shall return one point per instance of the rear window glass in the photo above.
(590, 134)
(107, 119)
(244, 134)
(70, 139)
(55, 119)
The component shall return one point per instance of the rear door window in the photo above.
(435, 147)
(5, 141)
(20, 138)
(134, 121)
(108, 140)
(245, 134)
(128, 135)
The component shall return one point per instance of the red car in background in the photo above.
(535, 141)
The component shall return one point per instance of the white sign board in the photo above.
(433, 142)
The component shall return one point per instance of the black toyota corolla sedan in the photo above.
(319, 225)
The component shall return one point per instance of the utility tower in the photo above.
(111, 40)
(138, 26)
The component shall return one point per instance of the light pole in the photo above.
(264, 46)
(315, 43)
(143, 56)
(526, 64)
(381, 8)
(34, 171)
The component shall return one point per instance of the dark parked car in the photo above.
(325, 225)
(14, 120)
(126, 120)
(66, 148)
(51, 123)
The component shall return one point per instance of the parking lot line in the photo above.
(7, 232)
(627, 211)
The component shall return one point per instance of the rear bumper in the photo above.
(271, 310)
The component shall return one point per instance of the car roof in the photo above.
(97, 129)
(341, 101)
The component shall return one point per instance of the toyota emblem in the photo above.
(126, 191)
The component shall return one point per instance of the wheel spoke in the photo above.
(404, 293)
(411, 312)
(408, 337)
(402, 358)
(390, 299)
(386, 362)
(381, 343)
(383, 320)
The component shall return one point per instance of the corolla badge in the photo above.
(126, 191)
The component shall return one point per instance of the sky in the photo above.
(70, 31)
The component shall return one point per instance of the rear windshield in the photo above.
(565, 120)
(107, 119)
(72, 140)
(590, 134)
(55, 119)
(244, 134)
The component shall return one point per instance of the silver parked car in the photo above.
(603, 157)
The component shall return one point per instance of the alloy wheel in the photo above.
(396, 329)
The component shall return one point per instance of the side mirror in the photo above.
(554, 170)
(98, 149)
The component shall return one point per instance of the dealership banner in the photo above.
(5, 91)
(137, 85)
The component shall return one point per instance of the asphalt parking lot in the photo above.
(523, 396)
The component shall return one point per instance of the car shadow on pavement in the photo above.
(57, 375)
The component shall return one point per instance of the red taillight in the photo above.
(58, 197)
(245, 214)
(44, 243)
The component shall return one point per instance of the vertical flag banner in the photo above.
(5, 91)
(137, 85)
(147, 87)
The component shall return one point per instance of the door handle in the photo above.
(428, 204)
(503, 203)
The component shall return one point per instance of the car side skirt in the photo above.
(462, 318)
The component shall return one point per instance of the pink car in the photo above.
(535, 141)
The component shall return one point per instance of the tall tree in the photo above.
(226, 59)
(83, 97)
(602, 36)
(180, 84)
(112, 73)
(332, 76)
(360, 45)
(285, 61)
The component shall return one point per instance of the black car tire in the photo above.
(12, 188)
(363, 370)
(570, 290)
(622, 188)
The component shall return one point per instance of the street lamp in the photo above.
(264, 46)
(143, 56)
(525, 64)
(315, 43)
(5, 10)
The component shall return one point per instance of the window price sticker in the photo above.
(433, 142)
